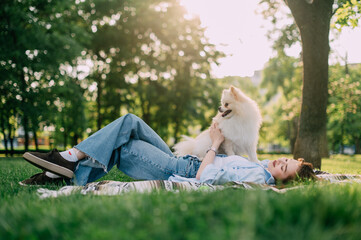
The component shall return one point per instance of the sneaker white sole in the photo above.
(23, 184)
(32, 185)
(51, 167)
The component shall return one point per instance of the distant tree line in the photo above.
(79, 65)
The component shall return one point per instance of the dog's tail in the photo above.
(185, 146)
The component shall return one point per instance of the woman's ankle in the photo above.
(79, 154)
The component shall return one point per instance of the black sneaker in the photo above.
(52, 162)
(40, 179)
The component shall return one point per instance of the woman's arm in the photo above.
(217, 138)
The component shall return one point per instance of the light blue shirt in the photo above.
(239, 170)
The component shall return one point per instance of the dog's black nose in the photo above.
(220, 109)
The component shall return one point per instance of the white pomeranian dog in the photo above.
(239, 119)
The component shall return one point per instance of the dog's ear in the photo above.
(237, 95)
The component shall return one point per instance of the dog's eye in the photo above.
(226, 104)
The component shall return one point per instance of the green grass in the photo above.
(313, 212)
(343, 164)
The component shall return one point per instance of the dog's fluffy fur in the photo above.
(239, 119)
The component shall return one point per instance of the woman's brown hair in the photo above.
(305, 172)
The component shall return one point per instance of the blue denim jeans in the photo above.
(137, 150)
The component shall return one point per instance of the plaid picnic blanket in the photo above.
(118, 188)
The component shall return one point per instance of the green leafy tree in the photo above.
(347, 13)
(70, 121)
(282, 82)
(148, 57)
(344, 110)
(9, 106)
(35, 37)
(313, 18)
(151, 60)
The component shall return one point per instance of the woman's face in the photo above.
(283, 168)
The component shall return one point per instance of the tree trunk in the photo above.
(357, 145)
(5, 144)
(75, 139)
(26, 131)
(65, 139)
(293, 133)
(342, 146)
(313, 20)
(24, 109)
(324, 151)
(176, 131)
(11, 130)
(140, 89)
(5, 137)
(148, 106)
(65, 133)
(99, 102)
(35, 137)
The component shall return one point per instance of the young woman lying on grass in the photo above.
(141, 154)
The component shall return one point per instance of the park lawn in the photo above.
(317, 211)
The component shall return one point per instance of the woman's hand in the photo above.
(217, 138)
(216, 135)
